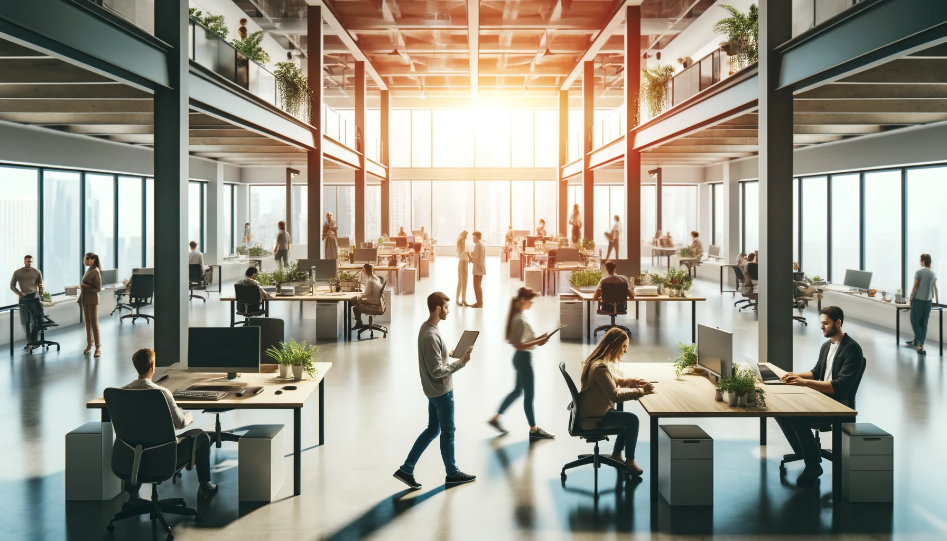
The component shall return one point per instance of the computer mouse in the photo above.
(279, 391)
(258, 391)
(241, 392)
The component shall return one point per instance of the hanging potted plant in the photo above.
(294, 93)
(214, 25)
(251, 47)
(656, 88)
(686, 359)
(743, 35)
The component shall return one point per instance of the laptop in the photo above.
(768, 376)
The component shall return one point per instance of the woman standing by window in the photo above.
(462, 261)
(89, 302)
(281, 249)
(576, 221)
(247, 235)
(330, 230)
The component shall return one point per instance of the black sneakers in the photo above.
(407, 479)
(810, 474)
(206, 491)
(459, 478)
(541, 434)
(495, 423)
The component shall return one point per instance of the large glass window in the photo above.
(420, 138)
(493, 210)
(522, 138)
(299, 222)
(795, 219)
(420, 206)
(717, 235)
(345, 203)
(372, 212)
(815, 227)
(100, 218)
(679, 211)
(616, 207)
(130, 236)
(149, 223)
(846, 225)
(453, 205)
(547, 139)
(18, 224)
(751, 216)
(453, 138)
(522, 206)
(601, 221)
(547, 204)
(194, 192)
(267, 208)
(399, 138)
(399, 210)
(227, 228)
(649, 212)
(62, 250)
(493, 138)
(883, 228)
(927, 222)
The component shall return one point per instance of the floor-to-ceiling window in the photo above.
(679, 211)
(926, 221)
(420, 206)
(453, 143)
(227, 228)
(649, 211)
(453, 210)
(795, 219)
(195, 191)
(62, 243)
(345, 215)
(493, 147)
(267, 209)
(19, 209)
(883, 231)
(716, 236)
(545, 202)
(150, 223)
(815, 228)
(846, 225)
(420, 138)
(372, 212)
(493, 210)
(130, 225)
(399, 138)
(751, 216)
(521, 199)
(399, 210)
(100, 217)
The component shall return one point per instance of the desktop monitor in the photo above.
(401, 242)
(531, 241)
(520, 233)
(857, 279)
(344, 243)
(326, 270)
(148, 270)
(714, 350)
(624, 267)
(714, 251)
(365, 255)
(109, 276)
(410, 239)
(223, 349)
(566, 255)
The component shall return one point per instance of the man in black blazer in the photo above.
(836, 374)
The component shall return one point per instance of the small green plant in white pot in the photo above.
(294, 356)
(686, 359)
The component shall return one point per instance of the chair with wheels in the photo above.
(613, 304)
(828, 454)
(195, 281)
(248, 302)
(589, 435)
(146, 451)
(36, 324)
(748, 288)
(371, 310)
(141, 294)
(119, 305)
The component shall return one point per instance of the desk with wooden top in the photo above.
(660, 251)
(693, 396)
(587, 296)
(551, 276)
(345, 297)
(179, 378)
(390, 269)
(404, 254)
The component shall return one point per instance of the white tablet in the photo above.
(467, 340)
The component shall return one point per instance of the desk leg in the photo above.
(297, 449)
(897, 326)
(11, 331)
(654, 459)
(693, 322)
(232, 308)
(266, 308)
(220, 280)
(941, 333)
(106, 418)
(636, 309)
(588, 320)
(762, 431)
(721, 280)
(837, 463)
(322, 412)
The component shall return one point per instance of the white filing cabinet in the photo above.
(329, 320)
(409, 277)
(425, 268)
(867, 463)
(89, 463)
(260, 463)
(514, 268)
(572, 315)
(534, 279)
(685, 465)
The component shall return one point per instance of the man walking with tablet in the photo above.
(436, 370)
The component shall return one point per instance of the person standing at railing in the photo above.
(26, 283)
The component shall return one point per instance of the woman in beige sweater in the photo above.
(89, 302)
(602, 386)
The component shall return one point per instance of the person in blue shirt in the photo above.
(922, 295)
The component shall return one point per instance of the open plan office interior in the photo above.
(456, 269)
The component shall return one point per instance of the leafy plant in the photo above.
(251, 47)
(761, 397)
(264, 278)
(588, 244)
(687, 357)
(383, 239)
(816, 278)
(257, 250)
(657, 279)
(743, 35)
(216, 24)
(743, 380)
(47, 297)
(585, 278)
(295, 353)
(294, 93)
(346, 276)
(724, 383)
(685, 252)
(655, 88)
(242, 249)
(678, 279)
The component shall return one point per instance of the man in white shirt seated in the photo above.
(371, 293)
(195, 257)
(144, 361)
(612, 278)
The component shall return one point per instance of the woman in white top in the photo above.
(576, 221)
(697, 247)
(519, 333)
(462, 261)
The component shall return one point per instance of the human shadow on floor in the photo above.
(381, 515)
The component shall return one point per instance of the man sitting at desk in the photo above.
(250, 280)
(840, 365)
(195, 257)
(144, 361)
(371, 297)
(612, 278)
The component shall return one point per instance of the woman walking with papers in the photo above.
(519, 333)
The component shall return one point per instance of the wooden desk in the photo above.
(396, 270)
(180, 378)
(693, 396)
(587, 297)
(660, 251)
(344, 297)
(727, 266)
(551, 277)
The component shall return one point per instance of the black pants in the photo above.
(201, 460)
(798, 430)
(627, 439)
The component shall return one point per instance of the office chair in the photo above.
(195, 281)
(141, 294)
(146, 450)
(594, 435)
(828, 454)
(614, 303)
(748, 290)
(248, 302)
(802, 293)
(36, 324)
(371, 311)
(119, 305)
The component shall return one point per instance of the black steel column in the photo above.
(632, 156)
(659, 198)
(360, 146)
(170, 187)
(385, 113)
(775, 169)
(314, 169)
(588, 125)
(563, 185)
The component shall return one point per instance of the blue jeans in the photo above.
(920, 314)
(522, 362)
(440, 420)
(627, 439)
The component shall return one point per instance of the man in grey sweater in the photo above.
(437, 383)
(27, 282)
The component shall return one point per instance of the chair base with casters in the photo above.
(119, 305)
(596, 459)
(42, 342)
(137, 315)
(219, 436)
(371, 327)
(247, 315)
(801, 319)
(191, 295)
(827, 454)
(156, 509)
(606, 328)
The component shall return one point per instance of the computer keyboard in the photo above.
(198, 395)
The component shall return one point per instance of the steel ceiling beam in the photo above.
(473, 45)
(349, 41)
(615, 21)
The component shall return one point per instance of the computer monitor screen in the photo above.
(223, 349)
(714, 250)
(344, 243)
(148, 270)
(714, 350)
(565, 255)
(326, 270)
(109, 276)
(410, 239)
(401, 242)
(520, 233)
(366, 255)
(531, 241)
(624, 268)
(857, 278)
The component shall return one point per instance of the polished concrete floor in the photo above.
(375, 409)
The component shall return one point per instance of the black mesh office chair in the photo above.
(828, 454)
(748, 289)
(119, 305)
(613, 304)
(36, 324)
(141, 295)
(249, 303)
(195, 281)
(371, 311)
(589, 435)
(146, 451)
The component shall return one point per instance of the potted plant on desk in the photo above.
(348, 281)
(677, 281)
(295, 356)
(585, 280)
(686, 359)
